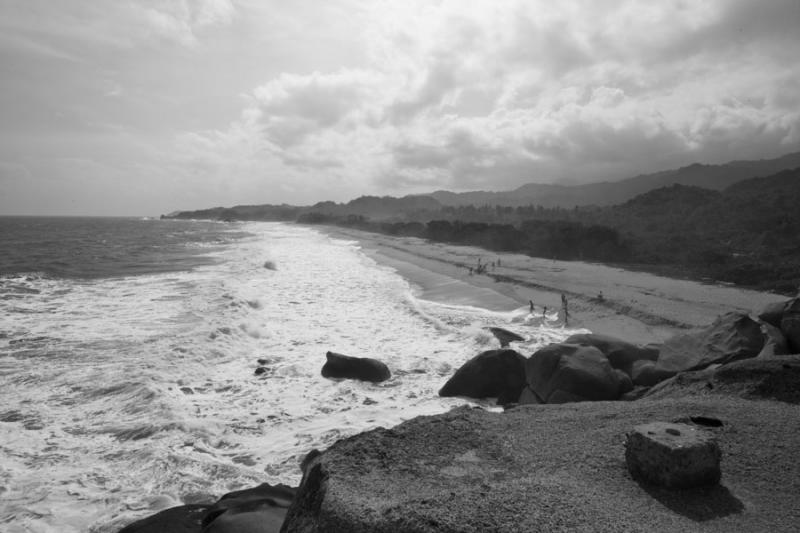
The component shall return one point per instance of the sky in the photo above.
(143, 107)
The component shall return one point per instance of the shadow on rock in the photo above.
(699, 504)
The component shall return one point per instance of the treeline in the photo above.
(556, 239)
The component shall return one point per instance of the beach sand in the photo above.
(636, 306)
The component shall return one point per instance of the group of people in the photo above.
(563, 306)
(482, 268)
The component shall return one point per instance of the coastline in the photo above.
(636, 306)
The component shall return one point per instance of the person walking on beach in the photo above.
(531, 302)
(566, 311)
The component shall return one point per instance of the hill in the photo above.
(715, 177)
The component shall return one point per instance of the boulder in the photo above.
(494, 373)
(621, 354)
(790, 324)
(675, 456)
(773, 313)
(646, 374)
(361, 368)
(182, 519)
(561, 373)
(733, 336)
(260, 509)
(504, 336)
(775, 342)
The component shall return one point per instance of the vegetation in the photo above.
(746, 234)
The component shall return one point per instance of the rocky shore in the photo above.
(555, 458)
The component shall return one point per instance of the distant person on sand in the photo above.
(566, 311)
(600, 296)
(544, 312)
(531, 302)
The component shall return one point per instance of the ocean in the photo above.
(128, 350)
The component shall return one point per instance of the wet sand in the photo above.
(636, 306)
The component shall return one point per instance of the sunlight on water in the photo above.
(125, 396)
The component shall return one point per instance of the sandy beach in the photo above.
(636, 306)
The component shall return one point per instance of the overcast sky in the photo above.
(141, 107)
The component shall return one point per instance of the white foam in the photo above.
(144, 388)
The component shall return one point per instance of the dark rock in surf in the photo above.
(269, 265)
(183, 519)
(494, 373)
(260, 509)
(504, 336)
(361, 368)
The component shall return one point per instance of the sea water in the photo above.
(128, 351)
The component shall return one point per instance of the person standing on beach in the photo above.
(564, 305)
(531, 302)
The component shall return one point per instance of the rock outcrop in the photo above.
(340, 366)
(733, 336)
(494, 373)
(561, 373)
(553, 468)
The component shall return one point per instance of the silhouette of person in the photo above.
(531, 302)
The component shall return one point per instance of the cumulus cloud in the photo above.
(380, 97)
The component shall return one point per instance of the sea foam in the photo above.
(123, 396)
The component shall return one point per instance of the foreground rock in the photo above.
(561, 373)
(552, 468)
(676, 456)
(361, 368)
(494, 373)
(259, 509)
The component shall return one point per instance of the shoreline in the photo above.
(637, 306)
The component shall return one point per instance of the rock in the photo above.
(259, 370)
(644, 373)
(561, 373)
(733, 336)
(505, 337)
(773, 378)
(775, 342)
(773, 313)
(259, 509)
(790, 324)
(494, 373)
(620, 354)
(183, 519)
(552, 468)
(270, 265)
(676, 456)
(361, 368)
